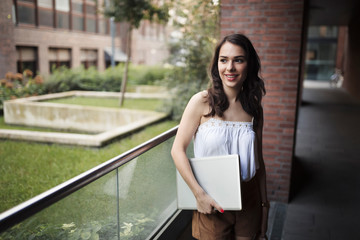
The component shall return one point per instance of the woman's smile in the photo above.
(231, 77)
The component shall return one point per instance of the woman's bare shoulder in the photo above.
(199, 104)
(199, 99)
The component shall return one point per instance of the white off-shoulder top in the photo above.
(217, 137)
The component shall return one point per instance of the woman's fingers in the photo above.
(208, 206)
(218, 207)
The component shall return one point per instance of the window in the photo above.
(322, 32)
(46, 14)
(26, 58)
(13, 11)
(62, 8)
(103, 23)
(26, 11)
(77, 15)
(90, 13)
(90, 24)
(321, 52)
(88, 58)
(59, 57)
(103, 26)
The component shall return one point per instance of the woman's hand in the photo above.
(206, 204)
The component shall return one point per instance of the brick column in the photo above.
(43, 54)
(75, 57)
(275, 28)
(7, 46)
(352, 60)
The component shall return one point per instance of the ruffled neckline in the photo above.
(223, 123)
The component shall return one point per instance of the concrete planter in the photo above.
(107, 123)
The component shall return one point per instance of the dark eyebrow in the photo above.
(241, 56)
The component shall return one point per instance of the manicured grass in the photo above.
(28, 169)
(141, 104)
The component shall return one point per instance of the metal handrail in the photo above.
(26, 209)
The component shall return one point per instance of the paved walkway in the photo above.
(325, 202)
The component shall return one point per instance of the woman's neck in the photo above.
(231, 94)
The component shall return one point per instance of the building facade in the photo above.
(44, 34)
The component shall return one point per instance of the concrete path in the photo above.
(325, 199)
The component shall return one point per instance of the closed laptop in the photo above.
(219, 176)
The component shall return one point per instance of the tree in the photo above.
(133, 12)
(198, 30)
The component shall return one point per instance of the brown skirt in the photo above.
(227, 225)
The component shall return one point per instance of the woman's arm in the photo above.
(188, 125)
(262, 178)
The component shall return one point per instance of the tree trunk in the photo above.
(125, 76)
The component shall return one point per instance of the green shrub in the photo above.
(111, 79)
(147, 75)
(64, 79)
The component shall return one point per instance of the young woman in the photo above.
(228, 119)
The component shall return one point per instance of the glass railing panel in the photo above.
(131, 202)
(147, 196)
(89, 213)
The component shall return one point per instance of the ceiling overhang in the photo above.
(332, 12)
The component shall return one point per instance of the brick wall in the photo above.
(275, 28)
(340, 49)
(7, 46)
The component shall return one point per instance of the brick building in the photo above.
(278, 29)
(40, 34)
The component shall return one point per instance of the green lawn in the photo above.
(28, 169)
(3, 125)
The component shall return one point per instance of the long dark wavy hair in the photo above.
(253, 88)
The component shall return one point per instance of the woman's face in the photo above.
(232, 65)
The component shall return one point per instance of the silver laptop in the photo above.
(219, 176)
